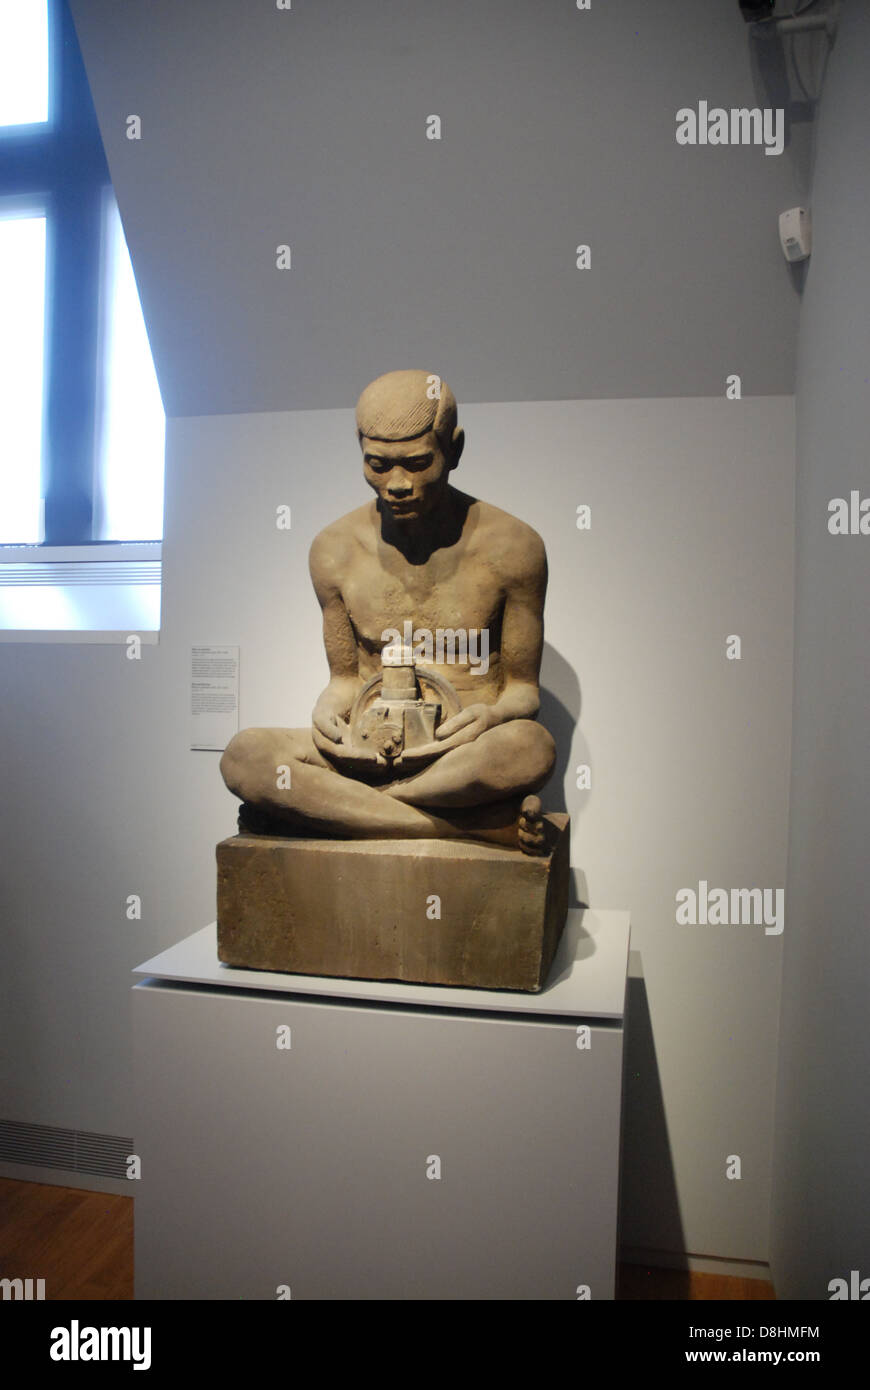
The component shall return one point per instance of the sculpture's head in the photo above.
(406, 423)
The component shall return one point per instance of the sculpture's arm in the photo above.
(333, 706)
(522, 639)
(522, 644)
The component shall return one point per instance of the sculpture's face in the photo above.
(409, 475)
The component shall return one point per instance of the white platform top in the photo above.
(587, 979)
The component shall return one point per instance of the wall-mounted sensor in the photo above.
(753, 10)
(795, 234)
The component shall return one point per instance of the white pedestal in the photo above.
(309, 1166)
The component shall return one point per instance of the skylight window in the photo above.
(23, 62)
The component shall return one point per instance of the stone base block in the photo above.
(443, 912)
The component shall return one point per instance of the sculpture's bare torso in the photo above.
(461, 586)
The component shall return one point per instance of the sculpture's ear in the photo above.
(458, 446)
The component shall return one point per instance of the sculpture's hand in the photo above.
(329, 729)
(328, 722)
(339, 751)
(329, 742)
(461, 728)
(466, 726)
(330, 732)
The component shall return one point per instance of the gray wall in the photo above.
(821, 1209)
(307, 127)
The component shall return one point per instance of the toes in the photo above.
(532, 829)
(532, 844)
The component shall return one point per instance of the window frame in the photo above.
(60, 166)
(57, 169)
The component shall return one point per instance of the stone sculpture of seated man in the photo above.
(425, 567)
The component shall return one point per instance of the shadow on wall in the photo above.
(648, 1184)
(559, 713)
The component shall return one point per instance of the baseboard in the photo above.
(59, 1177)
(65, 1157)
(695, 1264)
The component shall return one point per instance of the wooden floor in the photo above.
(81, 1244)
(639, 1281)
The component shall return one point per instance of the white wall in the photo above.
(691, 540)
(821, 1210)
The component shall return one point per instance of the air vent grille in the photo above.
(90, 572)
(77, 1151)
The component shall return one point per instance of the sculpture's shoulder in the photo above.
(516, 546)
(333, 548)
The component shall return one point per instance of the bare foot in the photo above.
(531, 831)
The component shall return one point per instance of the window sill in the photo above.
(89, 593)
